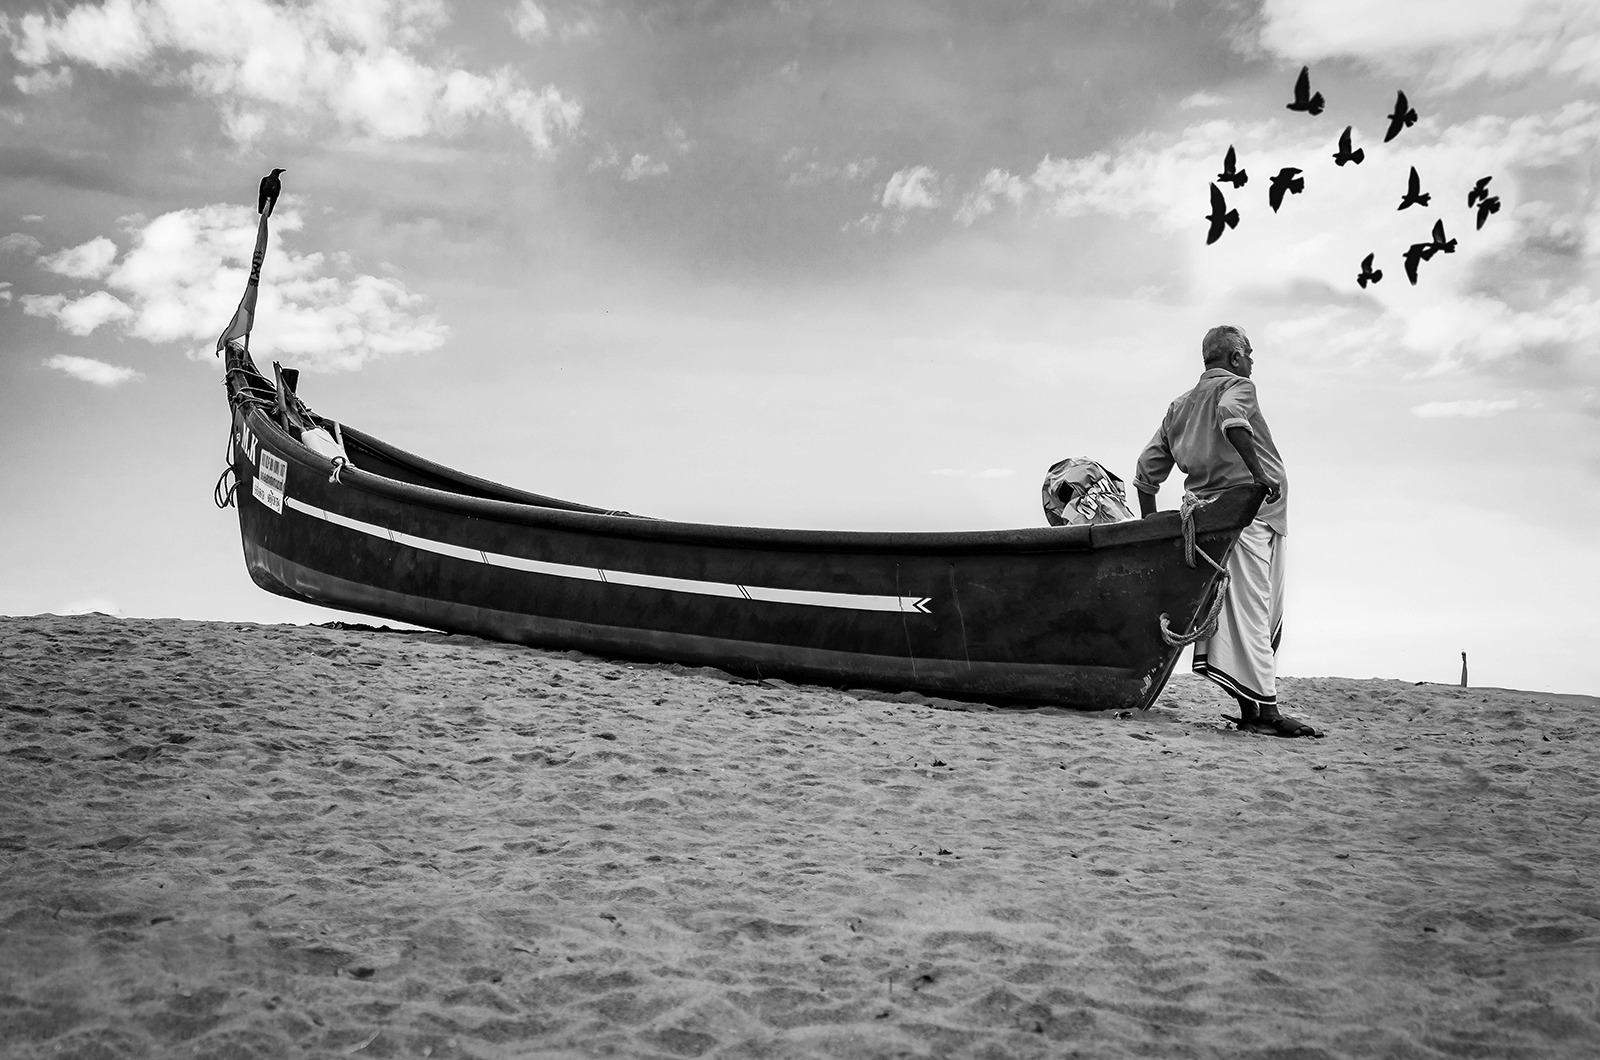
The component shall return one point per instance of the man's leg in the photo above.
(1269, 720)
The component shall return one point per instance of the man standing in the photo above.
(1217, 436)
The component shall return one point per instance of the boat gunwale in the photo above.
(1064, 539)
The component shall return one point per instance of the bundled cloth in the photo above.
(1080, 492)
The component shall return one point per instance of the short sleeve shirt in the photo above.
(1193, 436)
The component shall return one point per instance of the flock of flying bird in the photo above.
(1289, 181)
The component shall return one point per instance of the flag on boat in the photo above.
(238, 329)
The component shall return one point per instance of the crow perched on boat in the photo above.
(1479, 190)
(1440, 243)
(1288, 179)
(1237, 177)
(1414, 195)
(1368, 273)
(1415, 254)
(1345, 154)
(271, 186)
(1220, 216)
(1404, 116)
(1303, 99)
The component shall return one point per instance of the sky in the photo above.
(820, 264)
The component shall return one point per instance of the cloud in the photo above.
(91, 371)
(19, 243)
(996, 184)
(354, 64)
(5, 293)
(815, 172)
(1473, 409)
(640, 166)
(183, 272)
(90, 261)
(529, 21)
(608, 157)
(78, 316)
(912, 188)
(1448, 42)
(41, 81)
(1202, 99)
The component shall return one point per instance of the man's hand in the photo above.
(1274, 491)
(1147, 504)
(1245, 443)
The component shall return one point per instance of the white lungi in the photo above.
(1242, 656)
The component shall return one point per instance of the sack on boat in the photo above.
(1078, 491)
(319, 441)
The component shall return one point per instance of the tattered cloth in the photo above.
(1078, 491)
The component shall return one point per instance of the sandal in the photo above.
(1285, 726)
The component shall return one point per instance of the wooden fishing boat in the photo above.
(1052, 615)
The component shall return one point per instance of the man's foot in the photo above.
(1271, 723)
(1249, 715)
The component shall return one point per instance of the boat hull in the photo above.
(1065, 616)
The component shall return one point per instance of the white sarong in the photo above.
(1242, 655)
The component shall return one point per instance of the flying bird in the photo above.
(271, 186)
(1404, 116)
(1344, 154)
(1415, 254)
(1479, 190)
(1303, 99)
(1288, 179)
(1440, 243)
(1414, 195)
(1369, 274)
(1487, 205)
(1220, 216)
(1237, 177)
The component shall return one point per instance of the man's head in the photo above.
(1228, 347)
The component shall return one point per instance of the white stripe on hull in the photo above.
(914, 605)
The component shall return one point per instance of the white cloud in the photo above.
(677, 138)
(89, 261)
(1449, 42)
(996, 184)
(5, 293)
(529, 21)
(1202, 99)
(609, 156)
(41, 81)
(353, 63)
(912, 188)
(19, 243)
(1472, 409)
(640, 166)
(183, 273)
(91, 371)
(78, 316)
(815, 172)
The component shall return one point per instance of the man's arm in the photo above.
(1245, 442)
(1154, 465)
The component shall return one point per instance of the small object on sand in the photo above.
(1463, 669)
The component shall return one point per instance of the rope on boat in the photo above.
(1207, 627)
(338, 464)
(222, 493)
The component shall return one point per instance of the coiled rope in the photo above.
(1208, 626)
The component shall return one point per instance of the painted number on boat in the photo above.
(272, 472)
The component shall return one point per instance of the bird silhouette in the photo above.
(1404, 116)
(1414, 195)
(1415, 254)
(1479, 190)
(1440, 243)
(1368, 273)
(1303, 99)
(1220, 216)
(1237, 177)
(1487, 205)
(1287, 179)
(1344, 154)
(271, 186)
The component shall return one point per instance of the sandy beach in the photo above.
(226, 840)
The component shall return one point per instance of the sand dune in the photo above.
(223, 840)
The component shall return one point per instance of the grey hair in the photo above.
(1221, 341)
